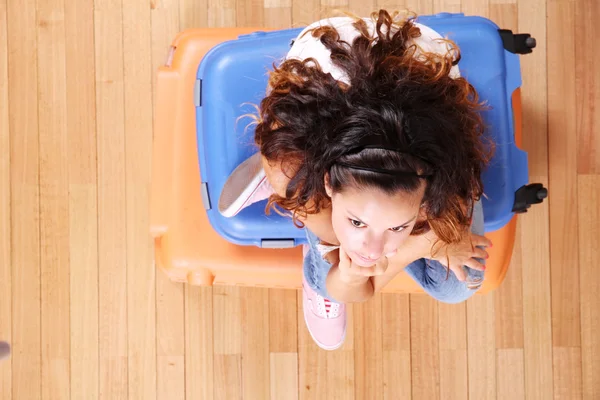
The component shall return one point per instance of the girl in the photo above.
(373, 142)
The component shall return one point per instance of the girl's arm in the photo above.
(349, 283)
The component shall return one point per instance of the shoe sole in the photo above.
(250, 175)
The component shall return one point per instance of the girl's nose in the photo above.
(374, 249)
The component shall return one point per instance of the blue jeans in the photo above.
(429, 274)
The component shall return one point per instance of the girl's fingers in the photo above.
(474, 264)
(343, 256)
(481, 241)
(460, 273)
(378, 269)
(380, 266)
(480, 253)
(364, 271)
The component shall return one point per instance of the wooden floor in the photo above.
(89, 317)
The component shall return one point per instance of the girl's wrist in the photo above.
(347, 289)
(352, 280)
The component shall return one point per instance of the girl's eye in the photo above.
(398, 229)
(355, 223)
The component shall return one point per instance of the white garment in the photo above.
(324, 249)
(306, 45)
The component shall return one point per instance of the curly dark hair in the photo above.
(419, 119)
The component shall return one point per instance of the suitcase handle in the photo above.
(168, 86)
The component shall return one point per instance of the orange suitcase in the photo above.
(187, 249)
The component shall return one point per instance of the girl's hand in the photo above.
(351, 273)
(457, 255)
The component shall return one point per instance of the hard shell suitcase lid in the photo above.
(232, 78)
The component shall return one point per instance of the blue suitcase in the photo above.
(232, 77)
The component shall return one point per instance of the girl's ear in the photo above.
(327, 186)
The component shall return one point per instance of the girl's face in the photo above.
(370, 224)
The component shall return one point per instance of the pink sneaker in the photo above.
(246, 185)
(325, 320)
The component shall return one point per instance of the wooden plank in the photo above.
(532, 19)
(451, 6)
(170, 339)
(112, 239)
(54, 199)
(331, 8)
(5, 233)
(589, 222)
(363, 8)
(562, 147)
(199, 375)
(480, 8)
(340, 372)
(221, 13)
(278, 17)
(164, 20)
(277, 3)
(193, 14)
(141, 290)
(334, 4)
(452, 325)
(5, 217)
(305, 12)
(227, 320)
(170, 377)
(283, 321)
(508, 300)
(453, 374)
(170, 331)
(312, 361)
(341, 377)
(228, 376)
(83, 208)
(284, 376)
(509, 368)
(368, 369)
(537, 324)
(566, 325)
(567, 383)
(255, 342)
(504, 15)
(481, 343)
(587, 13)
(227, 334)
(283, 343)
(421, 7)
(425, 359)
(395, 345)
(24, 198)
(250, 13)
(453, 351)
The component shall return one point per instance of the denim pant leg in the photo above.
(431, 275)
(315, 268)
